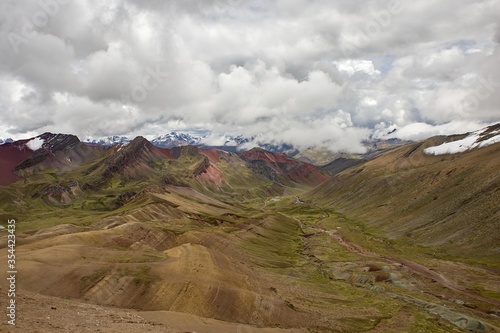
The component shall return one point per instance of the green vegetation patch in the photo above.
(134, 257)
(142, 275)
(274, 241)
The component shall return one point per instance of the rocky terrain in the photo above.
(137, 238)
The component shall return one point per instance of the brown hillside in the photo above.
(280, 167)
(448, 201)
(59, 152)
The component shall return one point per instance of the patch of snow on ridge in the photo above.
(472, 141)
(121, 145)
(35, 144)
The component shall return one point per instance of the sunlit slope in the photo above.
(448, 201)
(187, 252)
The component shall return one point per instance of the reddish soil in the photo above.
(167, 153)
(212, 175)
(297, 171)
(11, 154)
(212, 154)
(308, 174)
(272, 159)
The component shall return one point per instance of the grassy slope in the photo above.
(448, 202)
(269, 242)
(289, 265)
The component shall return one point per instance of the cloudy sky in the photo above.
(306, 72)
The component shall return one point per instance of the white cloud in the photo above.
(275, 70)
(420, 131)
(352, 66)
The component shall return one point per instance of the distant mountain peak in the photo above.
(175, 139)
(139, 141)
(8, 140)
(45, 146)
(57, 142)
(22, 158)
(275, 166)
(108, 141)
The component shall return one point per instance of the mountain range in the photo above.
(97, 164)
(195, 238)
(429, 192)
(2, 141)
(316, 156)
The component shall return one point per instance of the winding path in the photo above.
(411, 265)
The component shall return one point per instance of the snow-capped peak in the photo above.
(108, 141)
(173, 139)
(2, 141)
(481, 138)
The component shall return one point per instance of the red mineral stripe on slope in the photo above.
(212, 154)
(11, 154)
(165, 152)
(296, 171)
(212, 175)
(307, 173)
(264, 155)
(271, 159)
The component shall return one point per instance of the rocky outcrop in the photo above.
(53, 143)
(135, 152)
(61, 192)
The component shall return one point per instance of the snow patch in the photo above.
(108, 141)
(35, 144)
(472, 141)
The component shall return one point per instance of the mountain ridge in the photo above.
(405, 241)
(424, 198)
(98, 168)
(315, 156)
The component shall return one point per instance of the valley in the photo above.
(142, 239)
